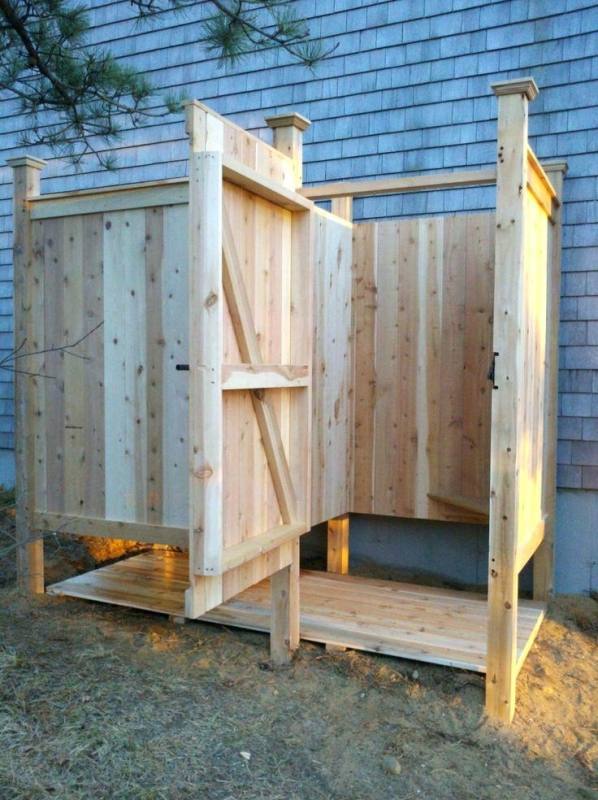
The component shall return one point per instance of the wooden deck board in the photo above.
(441, 626)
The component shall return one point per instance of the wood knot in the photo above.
(211, 299)
(203, 473)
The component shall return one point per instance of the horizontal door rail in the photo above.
(245, 551)
(264, 376)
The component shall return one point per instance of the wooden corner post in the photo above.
(206, 301)
(544, 556)
(288, 130)
(503, 578)
(30, 548)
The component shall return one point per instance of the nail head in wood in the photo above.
(526, 86)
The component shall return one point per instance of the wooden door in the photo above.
(249, 381)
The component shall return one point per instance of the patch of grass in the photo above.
(115, 704)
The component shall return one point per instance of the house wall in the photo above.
(406, 90)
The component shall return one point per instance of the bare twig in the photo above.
(5, 363)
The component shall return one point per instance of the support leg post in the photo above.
(284, 626)
(338, 545)
(501, 665)
(294, 604)
(337, 556)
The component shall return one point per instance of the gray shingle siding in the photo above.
(406, 90)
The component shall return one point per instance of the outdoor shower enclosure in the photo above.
(216, 364)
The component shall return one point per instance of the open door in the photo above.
(249, 369)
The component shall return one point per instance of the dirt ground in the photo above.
(101, 702)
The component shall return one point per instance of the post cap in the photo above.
(290, 120)
(555, 166)
(27, 161)
(526, 86)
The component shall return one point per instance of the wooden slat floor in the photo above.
(441, 626)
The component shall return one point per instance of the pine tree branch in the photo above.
(75, 97)
(17, 25)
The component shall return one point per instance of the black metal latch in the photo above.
(182, 367)
(492, 371)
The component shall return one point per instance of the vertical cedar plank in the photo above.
(332, 358)
(74, 367)
(155, 345)
(124, 365)
(432, 295)
(93, 313)
(407, 330)
(54, 363)
(40, 483)
(544, 556)
(342, 207)
(365, 290)
(479, 290)
(452, 358)
(503, 579)
(175, 400)
(387, 470)
(30, 549)
(301, 315)
(206, 302)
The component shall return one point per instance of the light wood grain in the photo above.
(206, 300)
(439, 626)
(518, 416)
(111, 529)
(333, 369)
(109, 200)
(236, 377)
(337, 559)
(30, 550)
(411, 183)
(544, 556)
(422, 323)
(280, 628)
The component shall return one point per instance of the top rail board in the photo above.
(398, 185)
(148, 195)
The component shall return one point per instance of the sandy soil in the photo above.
(100, 702)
